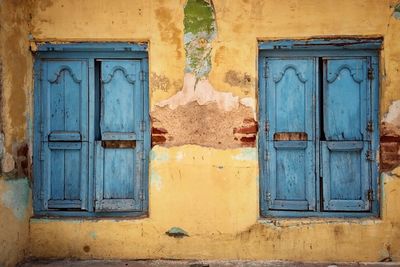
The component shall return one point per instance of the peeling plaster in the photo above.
(200, 31)
(393, 115)
(199, 114)
(204, 94)
(204, 125)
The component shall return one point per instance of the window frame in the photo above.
(89, 52)
(318, 48)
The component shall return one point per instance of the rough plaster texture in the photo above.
(210, 190)
(204, 125)
(15, 112)
(200, 114)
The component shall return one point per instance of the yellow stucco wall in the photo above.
(211, 191)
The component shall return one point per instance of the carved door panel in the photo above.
(346, 169)
(64, 134)
(290, 144)
(119, 152)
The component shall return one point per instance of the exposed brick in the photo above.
(246, 129)
(387, 138)
(389, 146)
(158, 130)
(248, 139)
(158, 140)
(389, 155)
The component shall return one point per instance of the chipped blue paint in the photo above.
(16, 197)
(159, 156)
(363, 53)
(247, 154)
(89, 53)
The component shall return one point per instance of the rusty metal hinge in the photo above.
(370, 155)
(370, 74)
(370, 195)
(370, 126)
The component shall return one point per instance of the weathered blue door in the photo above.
(345, 164)
(64, 134)
(290, 144)
(119, 152)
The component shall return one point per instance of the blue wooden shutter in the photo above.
(290, 144)
(119, 165)
(345, 165)
(64, 134)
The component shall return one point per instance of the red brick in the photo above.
(246, 129)
(158, 130)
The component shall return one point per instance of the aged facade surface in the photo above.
(203, 179)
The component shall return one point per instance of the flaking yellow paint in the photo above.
(210, 193)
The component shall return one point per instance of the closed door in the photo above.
(119, 150)
(64, 134)
(290, 144)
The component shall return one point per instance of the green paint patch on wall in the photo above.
(16, 196)
(199, 17)
(200, 30)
